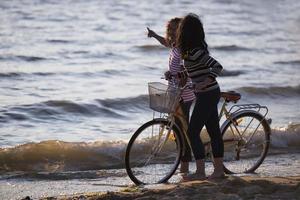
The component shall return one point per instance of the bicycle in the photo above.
(153, 153)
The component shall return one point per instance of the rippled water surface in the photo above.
(78, 70)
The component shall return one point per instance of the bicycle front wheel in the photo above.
(246, 141)
(153, 153)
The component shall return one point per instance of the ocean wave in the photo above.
(286, 136)
(66, 107)
(23, 74)
(111, 72)
(70, 107)
(30, 58)
(231, 48)
(55, 155)
(280, 91)
(232, 72)
(43, 73)
(83, 108)
(151, 48)
(130, 104)
(11, 75)
(23, 58)
(81, 52)
(105, 107)
(57, 109)
(291, 62)
(108, 72)
(59, 41)
(60, 156)
(14, 116)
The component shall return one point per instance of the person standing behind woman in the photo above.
(203, 70)
(175, 66)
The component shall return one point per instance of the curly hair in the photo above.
(171, 30)
(190, 35)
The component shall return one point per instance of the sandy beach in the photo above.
(232, 187)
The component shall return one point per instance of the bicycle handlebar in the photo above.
(175, 80)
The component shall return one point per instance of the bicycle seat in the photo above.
(231, 96)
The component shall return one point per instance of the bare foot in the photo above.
(194, 177)
(216, 175)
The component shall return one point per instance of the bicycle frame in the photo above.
(169, 130)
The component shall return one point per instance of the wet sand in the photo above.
(232, 187)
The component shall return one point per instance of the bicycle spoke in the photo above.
(153, 155)
(245, 143)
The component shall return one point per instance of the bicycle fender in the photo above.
(234, 115)
(159, 119)
(163, 119)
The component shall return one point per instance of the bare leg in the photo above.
(200, 168)
(218, 171)
(184, 167)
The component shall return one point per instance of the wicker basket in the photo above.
(163, 98)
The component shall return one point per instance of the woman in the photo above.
(175, 66)
(203, 70)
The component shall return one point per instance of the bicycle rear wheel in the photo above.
(246, 142)
(153, 152)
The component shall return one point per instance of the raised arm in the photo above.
(159, 38)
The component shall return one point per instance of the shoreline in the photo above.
(232, 187)
(97, 183)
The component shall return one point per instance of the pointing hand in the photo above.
(150, 33)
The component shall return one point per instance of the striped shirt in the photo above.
(198, 66)
(175, 66)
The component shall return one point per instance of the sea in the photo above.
(74, 74)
